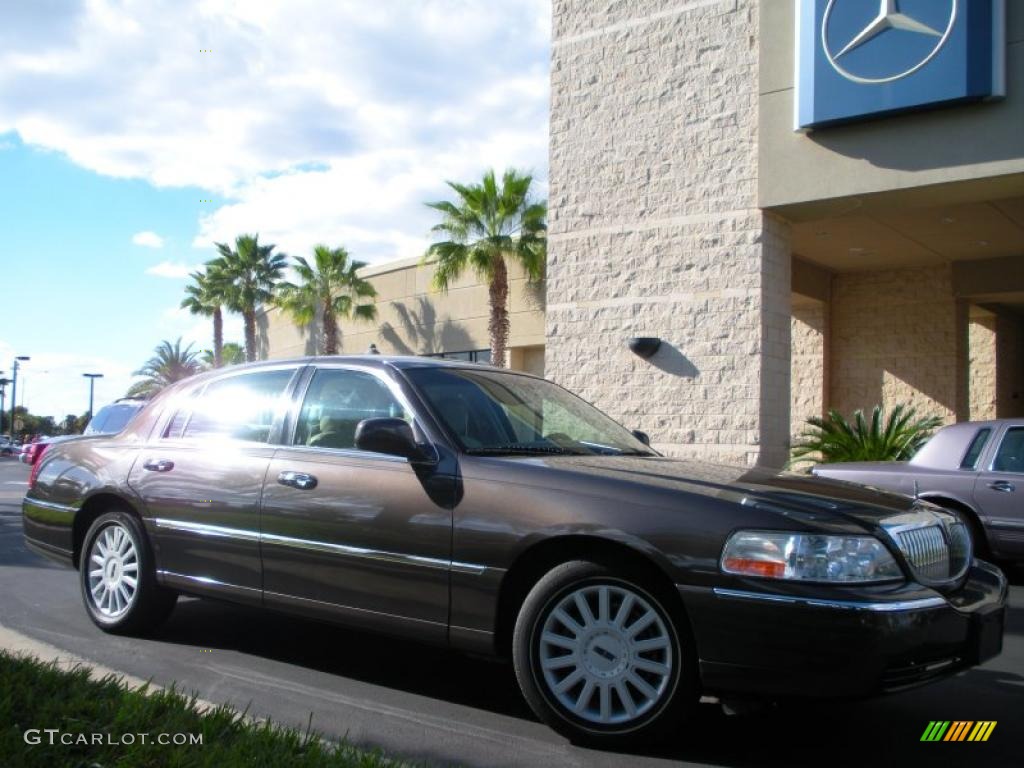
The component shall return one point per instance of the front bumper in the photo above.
(842, 642)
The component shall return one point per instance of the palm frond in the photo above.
(878, 438)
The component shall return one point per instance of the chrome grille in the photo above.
(960, 550)
(926, 550)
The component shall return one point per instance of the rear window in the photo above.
(111, 419)
(241, 407)
(974, 450)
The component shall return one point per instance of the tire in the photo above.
(652, 665)
(115, 553)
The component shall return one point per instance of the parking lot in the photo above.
(444, 708)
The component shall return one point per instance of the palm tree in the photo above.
(170, 363)
(896, 438)
(250, 273)
(331, 288)
(206, 296)
(231, 354)
(484, 227)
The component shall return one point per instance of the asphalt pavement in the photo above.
(444, 708)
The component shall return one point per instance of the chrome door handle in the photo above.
(1002, 485)
(158, 465)
(299, 480)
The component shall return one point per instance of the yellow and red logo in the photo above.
(958, 730)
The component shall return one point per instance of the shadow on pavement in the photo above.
(883, 731)
(399, 664)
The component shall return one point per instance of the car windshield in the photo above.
(493, 413)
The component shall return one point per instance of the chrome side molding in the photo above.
(917, 604)
(344, 550)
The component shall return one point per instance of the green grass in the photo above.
(37, 695)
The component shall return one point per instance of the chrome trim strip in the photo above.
(373, 554)
(998, 522)
(206, 530)
(281, 597)
(206, 581)
(49, 505)
(320, 546)
(856, 605)
(340, 453)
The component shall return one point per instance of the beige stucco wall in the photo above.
(412, 318)
(809, 332)
(958, 144)
(982, 373)
(655, 230)
(895, 339)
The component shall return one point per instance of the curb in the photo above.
(23, 645)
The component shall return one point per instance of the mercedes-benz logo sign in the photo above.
(889, 17)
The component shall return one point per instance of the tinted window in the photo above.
(239, 407)
(493, 412)
(95, 425)
(974, 451)
(111, 419)
(1010, 456)
(337, 400)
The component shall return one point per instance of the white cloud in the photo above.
(315, 120)
(148, 239)
(173, 269)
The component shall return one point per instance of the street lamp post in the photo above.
(14, 387)
(92, 382)
(3, 392)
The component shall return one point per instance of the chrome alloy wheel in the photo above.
(113, 571)
(606, 654)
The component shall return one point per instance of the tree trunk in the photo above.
(498, 325)
(249, 318)
(218, 337)
(329, 333)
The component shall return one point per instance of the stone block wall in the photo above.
(895, 338)
(810, 335)
(655, 230)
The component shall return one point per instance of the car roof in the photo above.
(373, 361)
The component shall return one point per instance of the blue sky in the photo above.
(308, 121)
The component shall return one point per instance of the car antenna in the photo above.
(917, 491)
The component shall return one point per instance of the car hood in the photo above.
(765, 488)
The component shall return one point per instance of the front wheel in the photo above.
(118, 579)
(600, 657)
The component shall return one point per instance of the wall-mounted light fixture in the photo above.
(644, 346)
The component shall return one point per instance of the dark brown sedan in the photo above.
(497, 513)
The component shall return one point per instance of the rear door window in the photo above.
(241, 407)
(1010, 456)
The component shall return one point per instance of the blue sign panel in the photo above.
(865, 58)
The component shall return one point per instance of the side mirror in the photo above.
(643, 437)
(387, 435)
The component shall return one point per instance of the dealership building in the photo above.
(812, 204)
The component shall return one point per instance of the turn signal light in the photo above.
(772, 570)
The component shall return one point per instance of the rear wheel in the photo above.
(600, 655)
(118, 579)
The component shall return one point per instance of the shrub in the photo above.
(833, 438)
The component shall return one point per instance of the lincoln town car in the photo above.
(494, 512)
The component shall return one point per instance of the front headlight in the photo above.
(809, 557)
